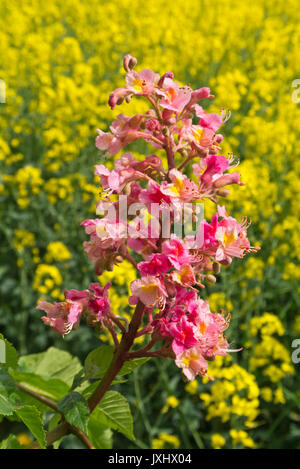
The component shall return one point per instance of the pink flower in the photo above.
(107, 238)
(184, 276)
(176, 251)
(124, 130)
(150, 290)
(210, 172)
(94, 304)
(184, 335)
(197, 95)
(61, 317)
(109, 179)
(108, 141)
(175, 97)
(142, 83)
(154, 194)
(192, 363)
(181, 187)
(158, 264)
(232, 237)
(211, 121)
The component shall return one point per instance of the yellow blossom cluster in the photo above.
(61, 59)
(57, 251)
(23, 238)
(217, 441)
(47, 280)
(164, 440)
(233, 393)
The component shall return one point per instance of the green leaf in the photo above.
(9, 399)
(6, 407)
(52, 388)
(11, 442)
(54, 422)
(113, 412)
(8, 354)
(75, 409)
(79, 378)
(131, 365)
(99, 435)
(90, 388)
(53, 363)
(97, 361)
(32, 419)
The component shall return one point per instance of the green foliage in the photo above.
(53, 363)
(114, 412)
(50, 375)
(75, 409)
(99, 434)
(33, 421)
(98, 360)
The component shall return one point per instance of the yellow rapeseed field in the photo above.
(59, 62)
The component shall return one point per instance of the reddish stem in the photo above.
(119, 358)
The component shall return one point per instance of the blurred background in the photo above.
(59, 62)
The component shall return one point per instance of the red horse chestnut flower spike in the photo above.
(146, 218)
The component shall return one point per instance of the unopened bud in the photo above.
(153, 125)
(184, 153)
(216, 268)
(129, 62)
(211, 278)
(223, 192)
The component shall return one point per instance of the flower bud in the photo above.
(223, 192)
(216, 268)
(211, 278)
(226, 179)
(129, 62)
(152, 125)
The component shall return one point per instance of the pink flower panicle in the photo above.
(171, 270)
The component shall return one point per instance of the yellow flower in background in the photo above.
(241, 437)
(234, 391)
(266, 394)
(218, 300)
(57, 251)
(46, 279)
(217, 441)
(47, 149)
(24, 439)
(157, 443)
(268, 324)
(172, 402)
(191, 387)
(23, 238)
